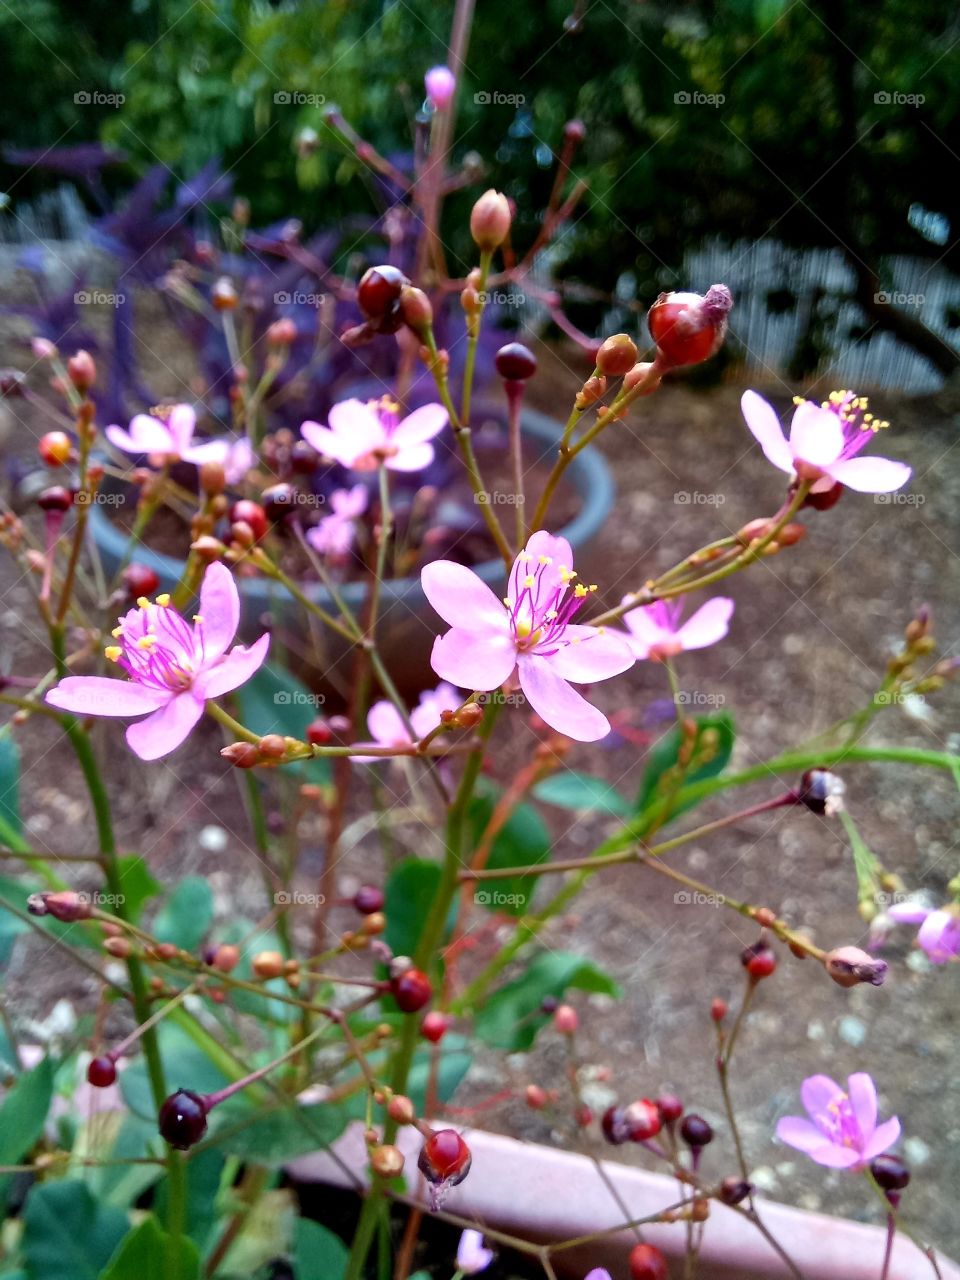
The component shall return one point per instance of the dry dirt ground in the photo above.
(811, 634)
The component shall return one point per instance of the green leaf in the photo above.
(66, 1233)
(138, 884)
(571, 790)
(523, 841)
(10, 782)
(273, 1137)
(145, 1254)
(453, 1062)
(275, 701)
(410, 890)
(186, 915)
(318, 1254)
(24, 1112)
(713, 747)
(511, 1017)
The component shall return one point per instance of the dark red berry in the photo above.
(369, 899)
(643, 1120)
(140, 580)
(549, 1004)
(319, 732)
(614, 1124)
(821, 791)
(718, 1009)
(279, 501)
(445, 1157)
(56, 498)
(516, 362)
(695, 1131)
(647, 1263)
(734, 1189)
(102, 1072)
(378, 292)
(250, 514)
(760, 960)
(890, 1172)
(183, 1119)
(825, 498)
(304, 459)
(411, 990)
(688, 328)
(55, 448)
(670, 1107)
(434, 1026)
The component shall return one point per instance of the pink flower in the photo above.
(334, 535)
(598, 1273)
(388, 730)
(939, 933)
(530, 631)
(472, 1255)
(173, 667)
(824, 441)
(842, 1132)
(440, 84)
(362, 435)
(656, 632)
(171, 438)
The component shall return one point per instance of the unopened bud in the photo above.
(617, 355)
(223, 295)
(64, 905)
(213, 478)
(565, 1020)
(82, 370)
(416, 309)
(822, 792)
(490, 220)
(268, 964)
(272, 747)
(207, 548)
(848, 966)
(243, 755)
(401, 1110)
(590, 392)
(642, 373)
(281, 333)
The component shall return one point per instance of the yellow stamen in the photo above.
(113, 652)
(143, 602)
(117, 632)
(163, 600)
(529, 580)
(146, 642)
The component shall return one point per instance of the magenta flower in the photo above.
(334, 535)
(364, 435)
(173, 667)
(388, 730)
(530, 631)
(170, 438)
(472, 1255)
(598, 1273)
(440, 84)
(824, 441)
(939, 933)
(656, 631)
(842, 1132)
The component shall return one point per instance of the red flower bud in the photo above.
(55, 448)
(82, 371)
(646, 1262)
(688, 328)
(65, 906)
(617, 355)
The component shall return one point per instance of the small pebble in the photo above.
(213, 839)
(853, 1031)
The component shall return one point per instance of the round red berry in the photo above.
(890, 1172)
(647, 1263)
(369, 899)
(102, 1072)
(445, 1157)
(614, 1124)
(670, 1107)
(55, 448)
(434, 1026)
(140, 580)
(761, 963)
(643, 1120)
(411, 990)
(183, 1119)
(688, 328)
(378, 292)
(695, 1131)
(56, 498)
(279, 501)
(516, 362)
(250, 514)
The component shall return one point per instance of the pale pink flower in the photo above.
(170, 439)
(472, 1255)
(939, 933)
(656, 631)
(531, 632)
(334, 535)
(824, 441)
(173, 667)
(440, 84)
(842, 1131)
(362, 435)
(386, 726)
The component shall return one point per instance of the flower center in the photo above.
(157, 647)
(542, 602)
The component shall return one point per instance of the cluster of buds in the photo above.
(272, 749)
(757, 530)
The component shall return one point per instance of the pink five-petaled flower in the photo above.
(440, 84)
(842, 1132)
(939, 933)
(824, 441)
(388, 730)
(363, 435)
(657, 633)
(472, 1254)
(171, 438)
(334, 535)
(531, 630)
(173, 667)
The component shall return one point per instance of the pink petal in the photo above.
(101, 696)
(939, 936)
(908, 912)
(818, 1092)
(462, 599)
(884, 1136)
(800, 1133)
(598, 1273)
(592, 654)
(219, 611)
(163, 732)
(326, 442)
(412, 457)
(385, 725)
(645, 631)
(355, 421)
(146, 435)
(182, 422)
(474, 660)
(763, 422)
(240, 459)
(233, 670)
(426, 715)
(209, 451)
(551, 576)
(871, 475)
(816, 435)
(423, 424)
(832, 1156)
(555, 702)
(709, 624)
(862, 1093)
(349, 503)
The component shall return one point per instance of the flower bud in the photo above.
(82, 371)
(434, 1026)
(890, 1172)
(272, 746)
(64, 905)
(642, 1119)
(223, 295)
(281, 333)
(207, 549)
(590, 392)
(251, 514)
(226, 957)
(401, 1110)
(368, 899)
(56, 498)
(42, 348)
(268, 964)
(440, 85)
(642, 373)
(213, 478)
(688, 328)
(617, 355)
(490, 221)
(445, 1158)
(565, 1020)
(415, 309)
(386, 1161)
(647, 1262)
(733, 1189)
(574, 131)
(759, 960)
(243, 755)
(822, 792)
(848, 966)
(535, 1097)
(695, 1131)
